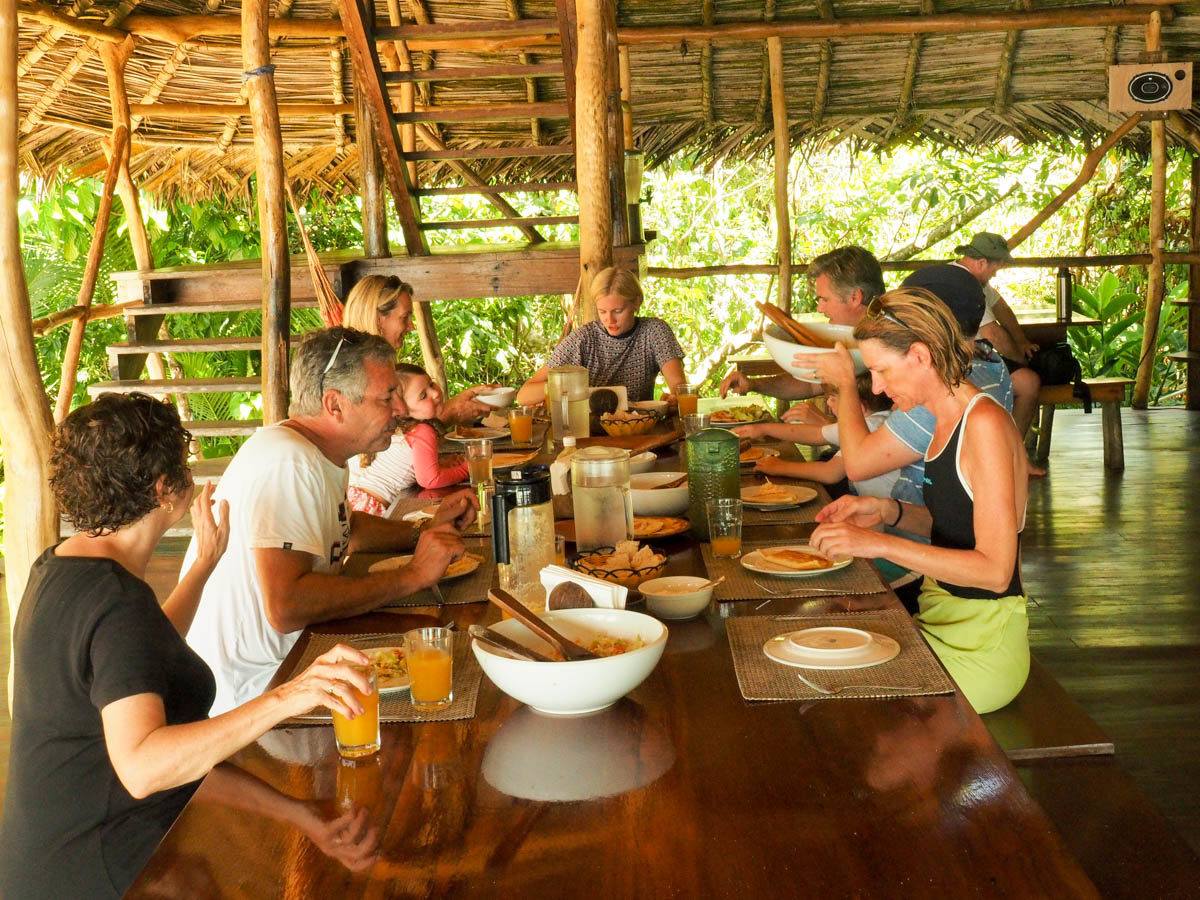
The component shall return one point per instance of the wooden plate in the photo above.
(464, 565)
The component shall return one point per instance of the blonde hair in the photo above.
(907, 316)
(372, 297)
(621, 282)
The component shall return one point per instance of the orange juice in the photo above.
(727, 545)
(480, 469)
(520, 425)
(359, 736)
(359, 782)
(688, 404)
(430, 670)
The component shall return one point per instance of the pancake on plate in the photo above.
(658, 526)
(769, 492)
(794, 559)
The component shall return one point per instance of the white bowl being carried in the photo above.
(643, 462)
(782, 348)
(649, 501)
(677, 596)
(497, 397)
(581, 686)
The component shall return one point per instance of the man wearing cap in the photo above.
(983, 257)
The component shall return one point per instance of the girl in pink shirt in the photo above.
(377, 481)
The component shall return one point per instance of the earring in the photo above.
(170, 507)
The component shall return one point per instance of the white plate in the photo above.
(400, 682)
(736, 424)
(490, 434)
(756, 562)
(766, 452)
(800, 494)
(878, 649)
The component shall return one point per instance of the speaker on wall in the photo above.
(1150, 87)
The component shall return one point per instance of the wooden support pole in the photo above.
(1193, 315)
(374, 198)
(87, 288)
(592, 157)
(568, 30)
(1155, 280)
(431, 348)
(1087, 170)
(626, 98)
(272, 210)
(30, 515)
(408, 92)
(92, 314)
(783, 153)
(614, 127)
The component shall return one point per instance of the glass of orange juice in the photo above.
(430, 667)
(688, 396)
(520, 425)
(359, 736)
(725, 526)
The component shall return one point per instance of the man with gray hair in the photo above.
(845, 281)
(290, 524)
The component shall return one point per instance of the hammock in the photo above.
(327, 299)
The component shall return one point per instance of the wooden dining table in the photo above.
(682, 788)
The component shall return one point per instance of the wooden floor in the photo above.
(1110, 562)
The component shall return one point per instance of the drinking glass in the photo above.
(694, 422)
(688, 396)
(479, 461)
(359, 736)
(430, 667)
(560, 550)
(725, 526)
(520, 425)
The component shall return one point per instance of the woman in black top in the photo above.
(972, 612)
(110, 710)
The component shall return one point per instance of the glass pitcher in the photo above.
(600, 493)
(523, 532)
(713, 471)
(567, 388)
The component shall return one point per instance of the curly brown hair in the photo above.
(107, 456)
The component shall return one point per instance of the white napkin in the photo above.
(604, 594)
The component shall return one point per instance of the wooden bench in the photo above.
(1043, 722)
(1108, 394)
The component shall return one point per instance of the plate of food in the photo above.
(793, 560)
(659, 526)
(467, 433)
(771, 496)
(628, 564)
(391, 668)
(739, 415)
(751, 455)
(464, 565)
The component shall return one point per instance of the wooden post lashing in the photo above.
(272, 221)
(30, 515)
(592, 158)
(783, 152)
(87, 288)
(1155, 272)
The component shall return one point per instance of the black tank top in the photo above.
(953, 511)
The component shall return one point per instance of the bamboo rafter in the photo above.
(336, 61)
(50, 38)
(764, 69)
(706, 67)
(1008, 53)
(912, 63)
(825, 50)
(531, 93)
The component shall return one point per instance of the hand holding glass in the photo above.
(359, 736)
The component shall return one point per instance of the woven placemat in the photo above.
(471, 588)
(860, 577)
(405, 505)
(396, 706)
(761, 678)
(804, 514)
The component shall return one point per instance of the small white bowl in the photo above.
(662, 502)
(664, 603)
(652, 406)
(643, 462)
(782, 348)
(497, 397)
(581, 686)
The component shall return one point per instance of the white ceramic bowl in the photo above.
(497, 397)
(643, 462)
(782, 348)
(668, 605)
(581, 686)
(663, 502)
(652, 406)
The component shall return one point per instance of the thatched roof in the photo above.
(965, 88)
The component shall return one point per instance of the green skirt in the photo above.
(984, 644)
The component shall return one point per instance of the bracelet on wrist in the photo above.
(899, 514)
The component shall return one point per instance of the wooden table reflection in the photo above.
(681, 789)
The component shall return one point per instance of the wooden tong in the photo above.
(796, 330)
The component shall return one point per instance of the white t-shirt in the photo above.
(282, 492)
(389, 473)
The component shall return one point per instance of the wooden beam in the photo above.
(519, 187)
(92, 314)
(493, 112)
(489, 29)
(374, 200)
(568, 40)
(370, 79)
(706, 91)
(55, 18)
(272, 209)
(1086, 171)
(515, 222)
(30, 513)
(626, 97)
(616, 140)
(783, 153)
(477, 73)
(221, 110)
(87, 287)
(1193, 316)
(408, 92)
(494, 152)
(1155, 280)
(592, 151)
(824, 66)
(867, 26)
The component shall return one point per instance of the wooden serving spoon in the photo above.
(674, 482)
(507, 644)
(569, 595)
(515, 608)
